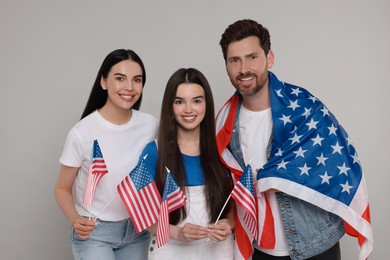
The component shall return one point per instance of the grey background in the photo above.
(50, 52)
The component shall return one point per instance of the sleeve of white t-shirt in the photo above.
(72, 154)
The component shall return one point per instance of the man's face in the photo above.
(247, 65)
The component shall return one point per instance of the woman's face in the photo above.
(189, 106)
(123, 84)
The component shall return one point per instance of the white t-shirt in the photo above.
(255, 133)
(120, 145)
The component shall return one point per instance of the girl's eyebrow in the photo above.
(192, 98)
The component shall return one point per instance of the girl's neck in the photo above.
(189, 142)
(115, 116)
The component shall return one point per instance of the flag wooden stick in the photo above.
(90, 207)
(220, 213)
(108, 203)
(223, 208)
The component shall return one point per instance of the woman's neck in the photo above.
(115, 116)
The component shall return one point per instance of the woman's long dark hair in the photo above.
(218, 182)
(98, 96)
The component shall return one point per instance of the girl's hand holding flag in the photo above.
(222, 229)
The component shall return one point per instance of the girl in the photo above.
(187, 147)
(111, 117)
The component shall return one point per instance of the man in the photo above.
(309, 182)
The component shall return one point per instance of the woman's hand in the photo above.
(83, 226)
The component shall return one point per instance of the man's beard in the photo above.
(252, 90)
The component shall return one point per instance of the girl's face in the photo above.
(189, 106)
(123, 85)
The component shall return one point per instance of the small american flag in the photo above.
(173, 198)
(140, 196)
(243, 194)
(97, 170)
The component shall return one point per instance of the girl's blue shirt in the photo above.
(192, 165)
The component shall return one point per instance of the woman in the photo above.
(187, 147)
(112, 124)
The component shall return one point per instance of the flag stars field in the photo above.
(343, 169)
(337, 148)
(285, 119)
(312, 124)
(355, 158)
(305, 169)
(294, 105)
(279, 152)
(325, 178)
(332, 130)
(321, 159)
(313, 99)
(300, 152)
(307, 112)
(295, 138)
(317, 140)
(282, 164)
(346, 187)
(296, 91)
(278, 92)
(325, 112)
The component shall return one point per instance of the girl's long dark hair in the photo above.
(98, 96)
(218, 182)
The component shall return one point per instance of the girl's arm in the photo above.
(64, 197)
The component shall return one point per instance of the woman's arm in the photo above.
(64, 197)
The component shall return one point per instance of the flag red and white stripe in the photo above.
(140, 197)
(243, 194)
(173, 198)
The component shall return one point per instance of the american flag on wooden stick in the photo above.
(173, 198)
(97, 170)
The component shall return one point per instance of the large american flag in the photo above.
(312, 158)
(140, 196)
(244, 195)
(97, 169)
(173, 198)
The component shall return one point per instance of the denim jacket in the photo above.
(309, 229)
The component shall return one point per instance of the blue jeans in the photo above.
(111, 240)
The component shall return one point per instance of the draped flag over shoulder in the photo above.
(140, 196)
(244, 195)
(173, 198)
(97, 169)
(265, 224)
(313, 159)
